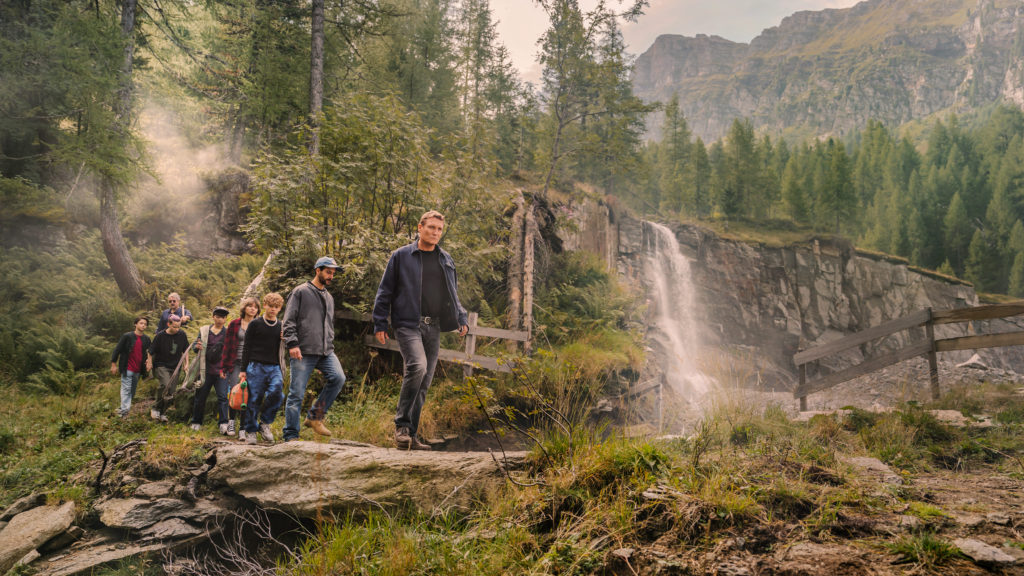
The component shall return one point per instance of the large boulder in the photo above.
(30, 529)
(306, 478)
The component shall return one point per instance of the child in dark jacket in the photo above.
(231, 358)
(131, 359)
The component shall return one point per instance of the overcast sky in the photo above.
(521, 22)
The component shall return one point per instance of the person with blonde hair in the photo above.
(263, 369)
(231, 359)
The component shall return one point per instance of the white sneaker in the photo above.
(223, 427)
(154, 414)
(251, 439)
(195, 427)
(266, 433)
(241, 434)
(230, 428)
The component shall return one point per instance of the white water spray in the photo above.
(672, 290)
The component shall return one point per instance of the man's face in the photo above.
(173, 326)
(218, 321)
(172, 302)
(325, 275)
(141, 325)
(430, 231)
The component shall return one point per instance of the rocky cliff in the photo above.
(827, 72)
(768, 302)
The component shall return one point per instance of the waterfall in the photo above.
(672, 294)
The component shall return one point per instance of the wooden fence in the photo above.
(929, 347)
(467, 356)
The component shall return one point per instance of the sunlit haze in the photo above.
(521, 23)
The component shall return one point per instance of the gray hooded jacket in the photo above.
(309, 321)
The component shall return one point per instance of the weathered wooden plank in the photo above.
(447, 355)
(982, 341)
(866, 367)
(517, 335)
(978, 313)
(909, 321)
(470, 342)
(933, 361)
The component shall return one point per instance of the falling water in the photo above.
(672, 293)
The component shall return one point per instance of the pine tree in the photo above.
(1016, 281)
(957, 233)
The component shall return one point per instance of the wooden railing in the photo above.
(928, 347)
(467, 357)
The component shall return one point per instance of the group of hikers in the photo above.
(418, 294)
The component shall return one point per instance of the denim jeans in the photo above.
(419, 347)
(266, 391)
(129, 381)
(220, 385)
(301, 371)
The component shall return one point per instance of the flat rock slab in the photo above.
(305, 478)
(983, 553)
(22, 505)
(137, 513)
(28, 530)
(874, 467)
(83, 561)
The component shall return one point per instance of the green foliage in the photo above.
(925, 550)
(580, 297)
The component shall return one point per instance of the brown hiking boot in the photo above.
(403, 441)
(417, 445)
(318, 427)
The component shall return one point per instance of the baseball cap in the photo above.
(220, 311)
(326, 262)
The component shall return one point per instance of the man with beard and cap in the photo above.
(309, 336)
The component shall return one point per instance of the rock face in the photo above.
(304, 478)
(773, 301)
(826, 72)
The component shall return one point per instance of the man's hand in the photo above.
(295, 353)
(113, 368)
(149, 365)
(382, 337)
(463, 330)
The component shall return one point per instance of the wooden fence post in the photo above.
(803, 380)
(933, 363)
(470, 343)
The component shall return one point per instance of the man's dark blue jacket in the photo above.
(400, 289)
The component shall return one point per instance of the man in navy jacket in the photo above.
(419, 291)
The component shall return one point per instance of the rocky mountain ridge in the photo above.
(828, 72)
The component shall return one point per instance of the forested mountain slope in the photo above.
(828, 72)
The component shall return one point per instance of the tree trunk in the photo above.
(126, 274)
(120, 262)
(532, 232)
(515, 267)
(316, 76)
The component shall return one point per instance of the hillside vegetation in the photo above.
(411, 106)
